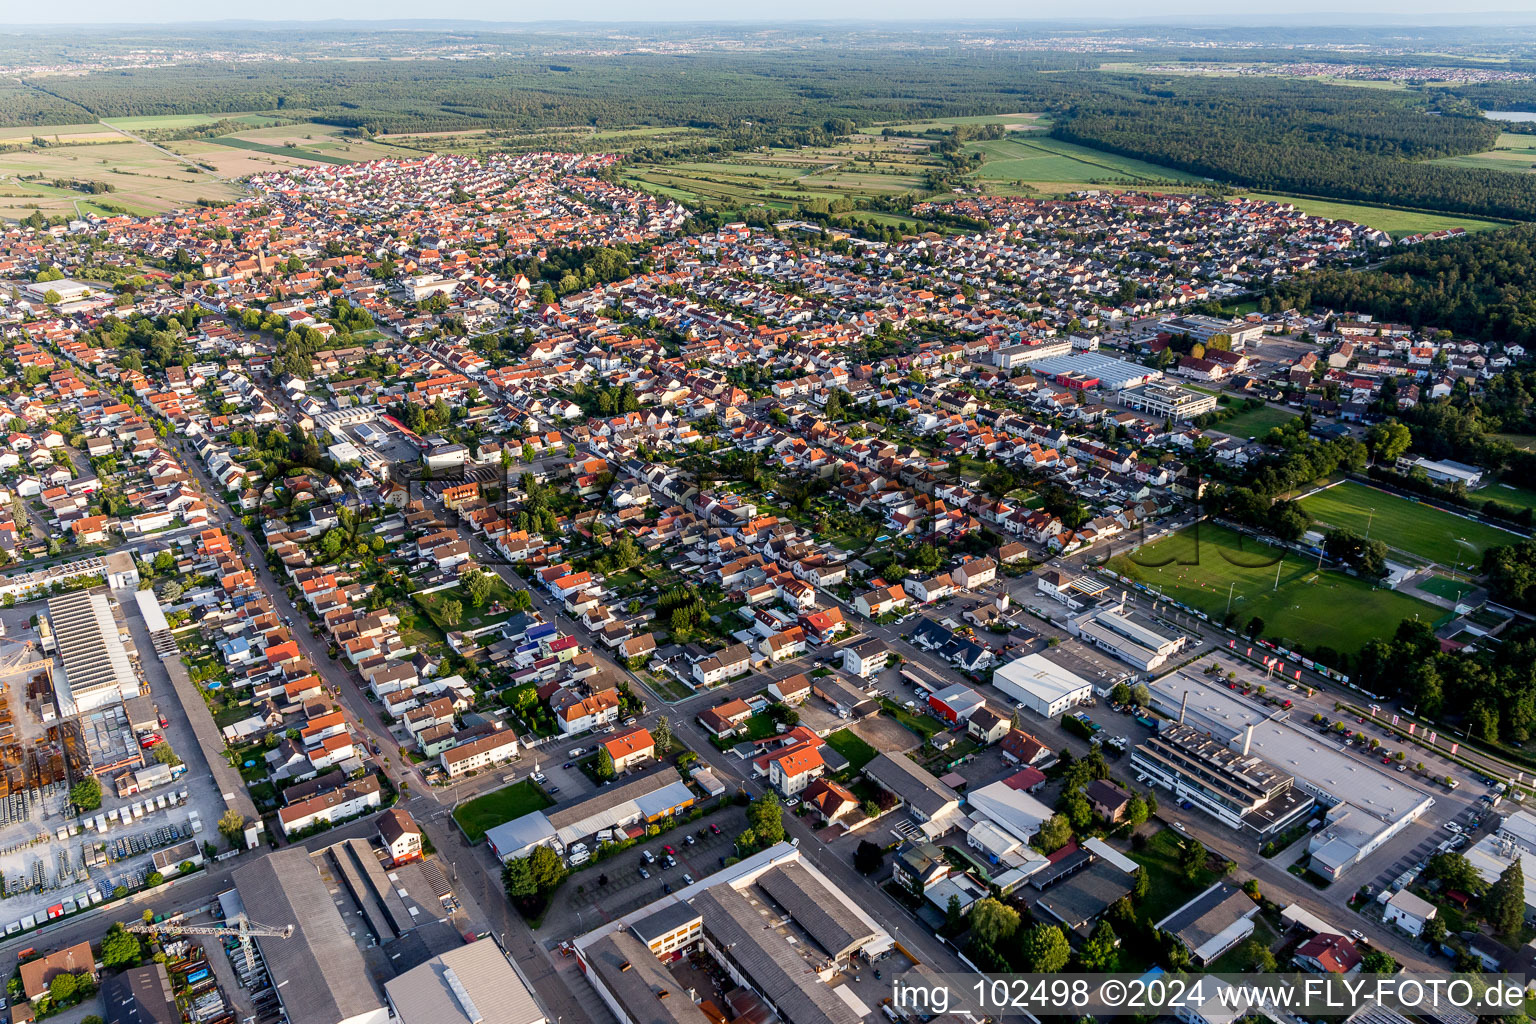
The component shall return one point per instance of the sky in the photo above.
(1244, 11)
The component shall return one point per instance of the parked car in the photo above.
(644, 873)
(687, 878)
(714, 829)
(650, 858)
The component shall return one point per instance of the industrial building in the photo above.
(773, 923)
(1091, 369)
(318, 972)
(1204, 328)
(95, 669)
(474, 984)
(1041, 685)
(1233, 786)
(1365, 805)
(1129, 637)
(1169, 401)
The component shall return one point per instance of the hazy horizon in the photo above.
(191, 13)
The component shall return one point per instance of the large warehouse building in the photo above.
(474, 984)
(1041, 685)
(1132, 639)
(318, 973)
(95, 668)
(1365, 805)
(1104, 372)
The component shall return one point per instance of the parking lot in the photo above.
(585, 901)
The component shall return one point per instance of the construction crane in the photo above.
(240, 926)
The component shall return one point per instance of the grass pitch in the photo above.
(1200, 567)
(1405, 525)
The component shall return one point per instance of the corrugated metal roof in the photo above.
(775, 966)
(474, 984)
(318, 972)
(818, 910)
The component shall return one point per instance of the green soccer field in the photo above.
(1405, 525)
(1311, 608)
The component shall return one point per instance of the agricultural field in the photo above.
(1200, 565)
(164, 121)
(1051, 165)
(1405, 525)
(865, 166)
(1255, 422)
(1394, 222)
(143, 179)
(279, 146)
(1011, 122)
(91, 132)
(1515, 153)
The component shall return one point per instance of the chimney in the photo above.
(1183, 703)
(1247, 739)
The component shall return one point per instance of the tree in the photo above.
(765, 816)
(662, 736)
(868, 857)
(547, 868)
(452, 612)
(1434, 929)
(604, 766)
(1101, 952)
(1121, 694)
(62, 988)
(232, 828)
(1258, 957)
(1141, 883)
(1387, 440)
(120, 947)
(1136, 810)
(163, 754)
(479, 585)
(993, 921)
(86, 794)
(154, 879)
(1192, 857)
(1055, 832)
(1505, 901)
(517, 879)
(1045, 949)
(1454, 871)
(1377, 962)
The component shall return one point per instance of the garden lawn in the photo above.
(1167, 890)
(924, 725)
(1255, 422)
(1200, 565)
(1405, 525)
(854, 749)
(470, 616)
(488, 811)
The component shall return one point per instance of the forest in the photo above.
(430, 95)
(1480, 286)
(1301, 137)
